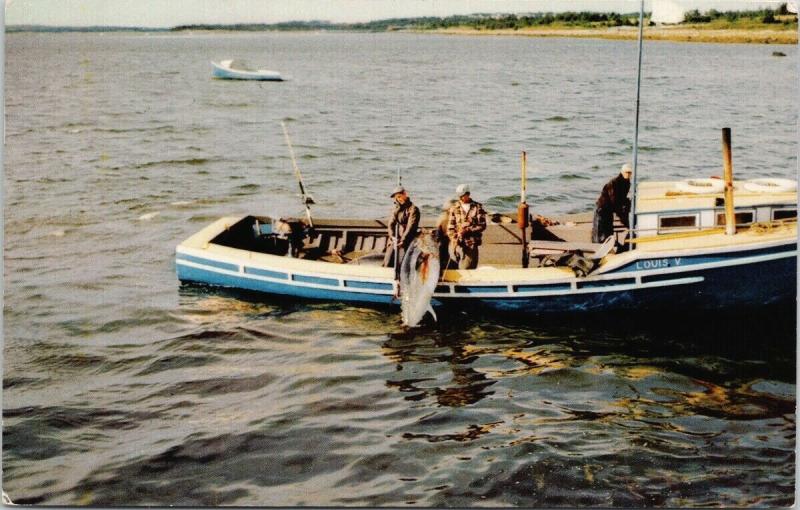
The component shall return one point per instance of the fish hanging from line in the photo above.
(419, 275)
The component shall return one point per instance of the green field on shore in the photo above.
(777, 19)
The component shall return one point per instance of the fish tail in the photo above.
(433, 314)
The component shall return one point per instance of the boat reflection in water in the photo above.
(604, 409)
(703, 349)
(465, 386)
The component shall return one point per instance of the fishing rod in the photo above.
(307, 199)
(632, 214)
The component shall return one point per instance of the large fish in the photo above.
(419, 274)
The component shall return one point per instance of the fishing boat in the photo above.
(239, 70)
(684, 256)
(699, 244)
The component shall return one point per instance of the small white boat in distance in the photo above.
(239, 70)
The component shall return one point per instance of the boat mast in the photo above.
(632, 218)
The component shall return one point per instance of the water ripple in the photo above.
(122, 387)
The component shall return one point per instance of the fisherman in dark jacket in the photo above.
(403, 227)
(613, 199)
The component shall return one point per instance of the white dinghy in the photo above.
(239, 70)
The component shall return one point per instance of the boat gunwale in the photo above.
(485, 277)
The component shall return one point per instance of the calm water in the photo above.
(121, 387)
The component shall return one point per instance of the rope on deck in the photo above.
(766, 227)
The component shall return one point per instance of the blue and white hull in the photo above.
(709, 272)
(719, 285)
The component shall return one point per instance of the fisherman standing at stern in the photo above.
(403, 227)
(467, 222)
(613, 199)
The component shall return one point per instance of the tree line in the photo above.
(767, 16)
(512, 21)
(474, 21)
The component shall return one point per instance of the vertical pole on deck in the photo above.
(727, 165)
(632, 217)
(522, 211)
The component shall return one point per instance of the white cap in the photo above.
(398, 189)
(626, 168)
(462, 190)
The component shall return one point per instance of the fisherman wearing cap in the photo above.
(467, 222)
(403, 226)
(613, 199)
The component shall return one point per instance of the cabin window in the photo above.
(741, 218)
(783, 214)
(685, 221)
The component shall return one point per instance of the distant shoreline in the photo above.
(654, 33)
(670, 33)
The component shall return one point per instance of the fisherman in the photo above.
(613, 199)
(403, 227)
(465, 227)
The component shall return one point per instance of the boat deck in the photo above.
(365, 241)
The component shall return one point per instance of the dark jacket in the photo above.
(614, 198)
(406, 218)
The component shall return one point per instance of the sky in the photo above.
(169, 13)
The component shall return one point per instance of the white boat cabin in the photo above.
(666, 207)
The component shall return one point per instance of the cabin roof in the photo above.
(663, 196)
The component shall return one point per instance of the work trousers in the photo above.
(465, 256)
(602, 225)
(444, 254)
(388, 259)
